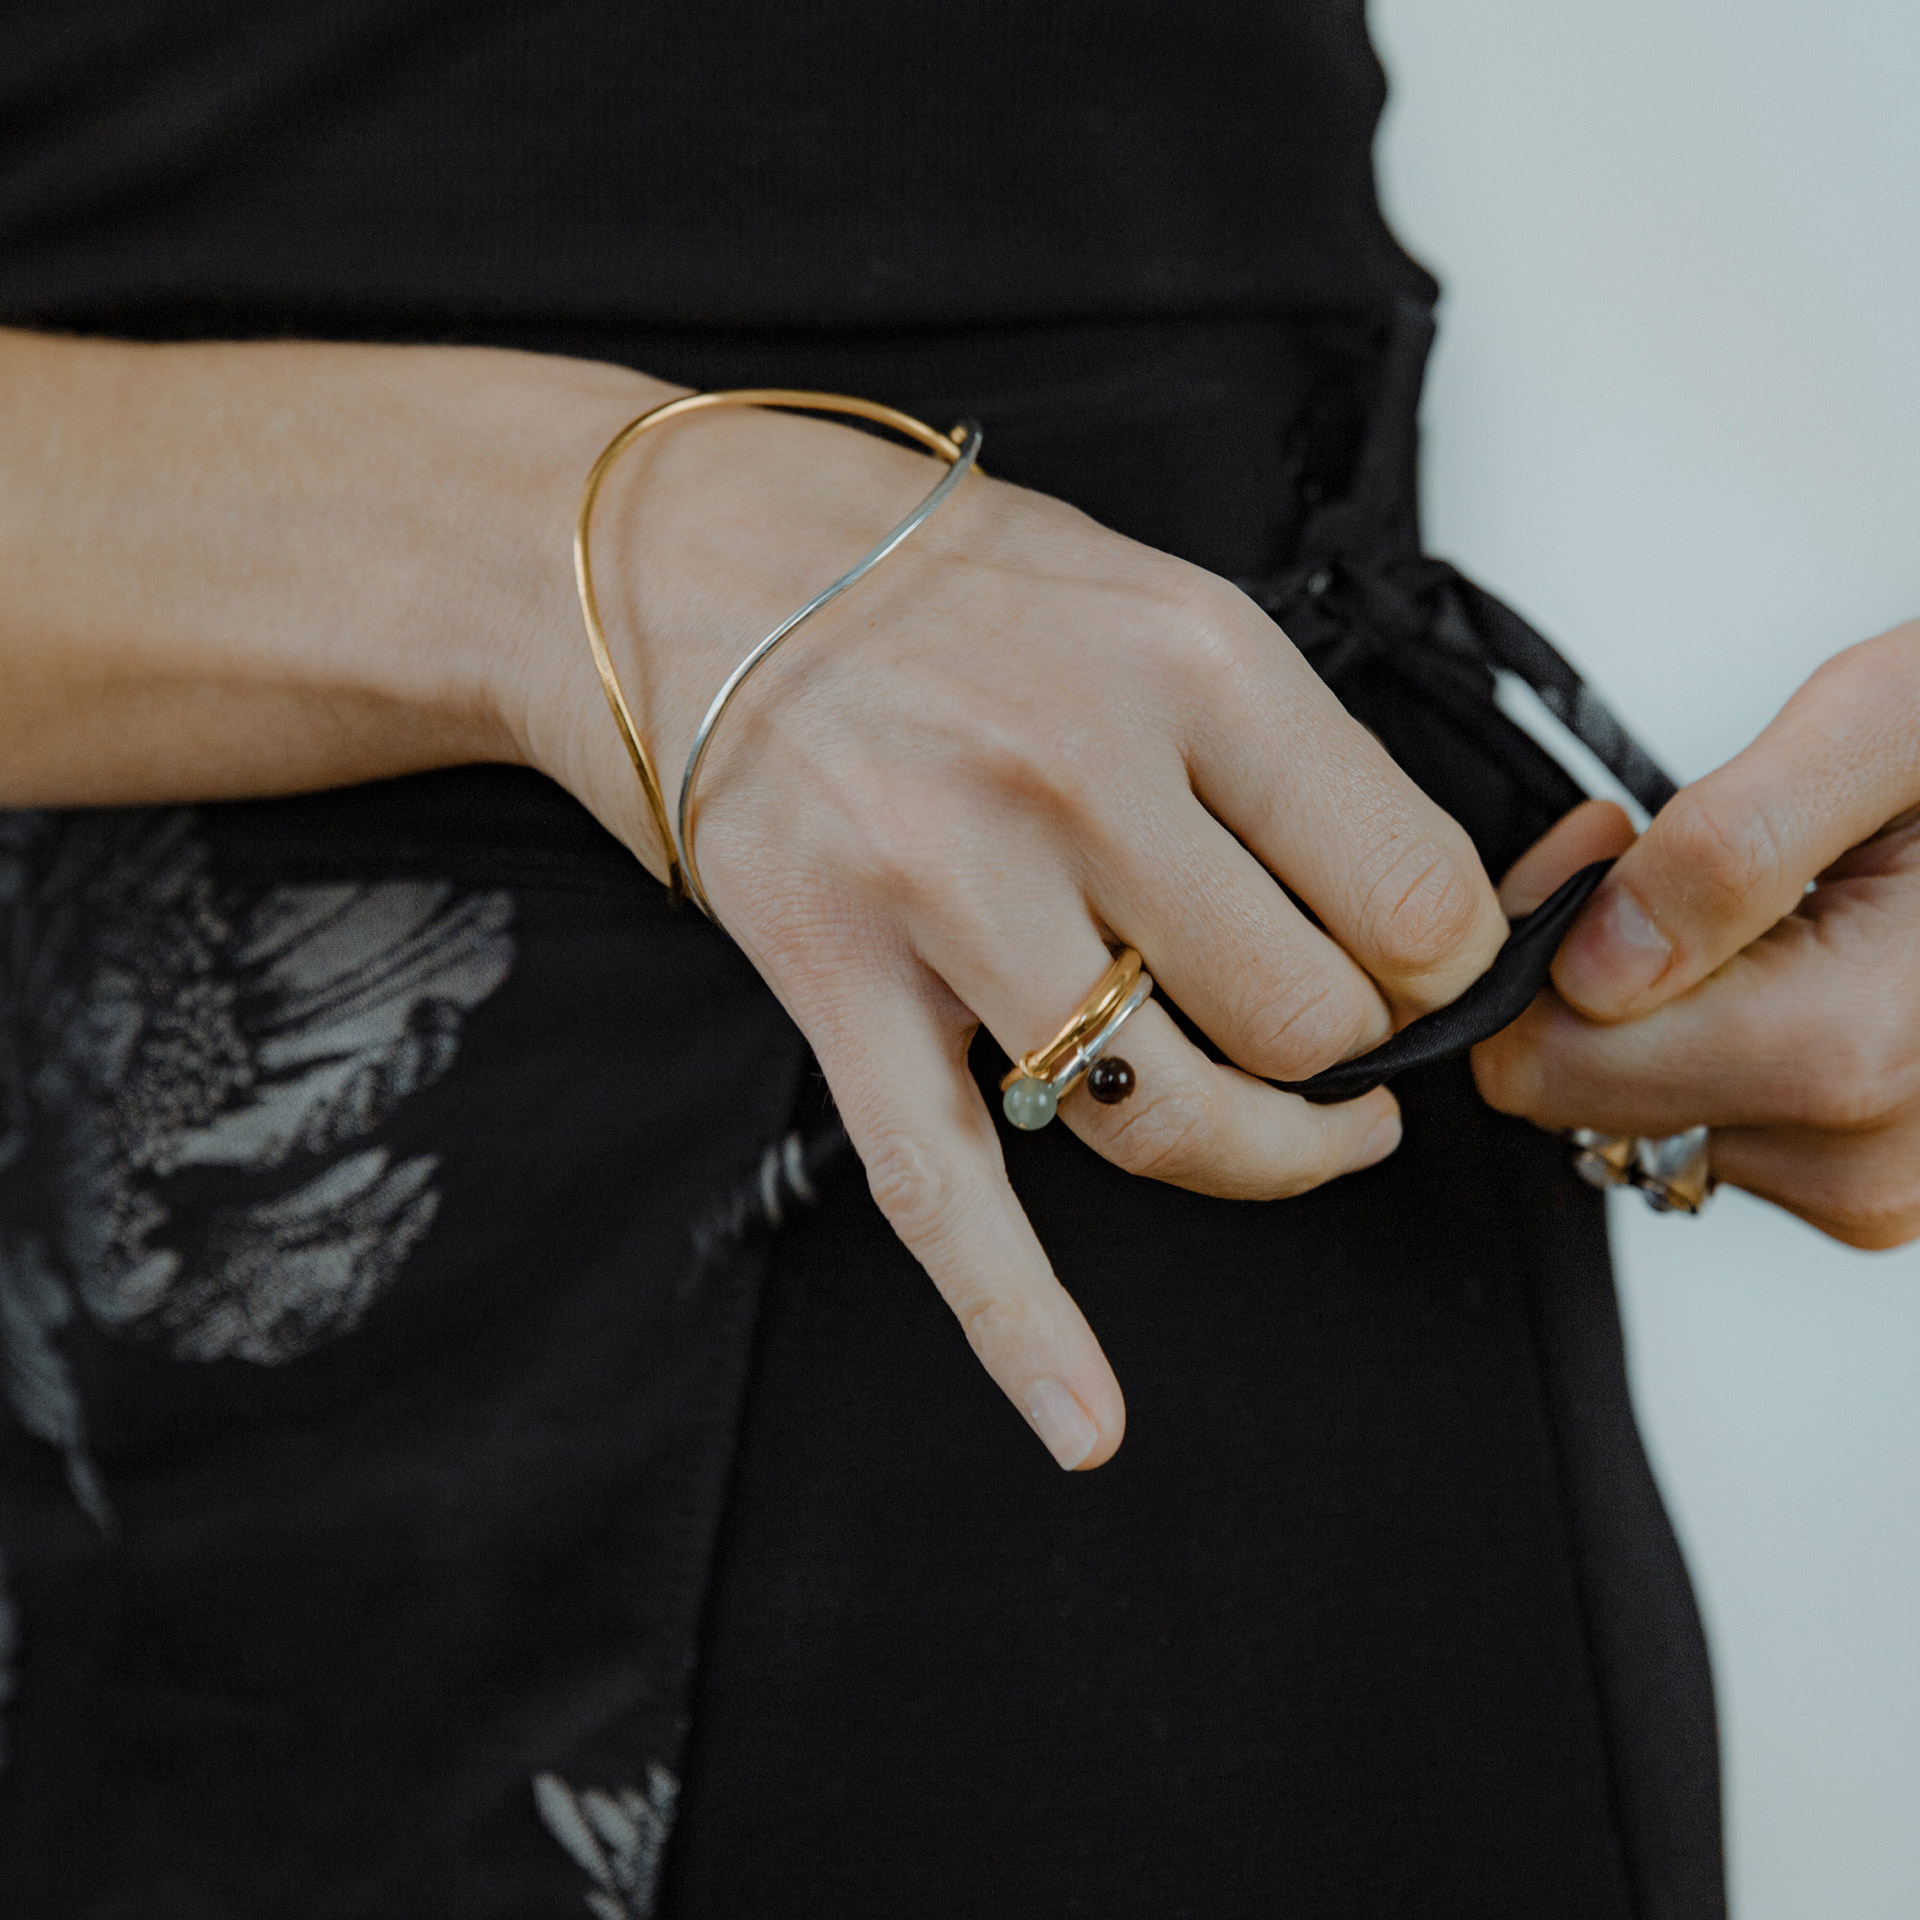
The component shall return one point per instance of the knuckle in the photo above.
(1213, 641)
(993, 1322)
(1163, 1134)
(1291, 1028)
(1423, 914)
(914, 1184)
(1723, 853)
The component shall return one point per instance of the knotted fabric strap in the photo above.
(1362, 591)
(1497, 999)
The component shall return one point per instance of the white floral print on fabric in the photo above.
(618, 1839)
(154, 1025)
(34, 1306)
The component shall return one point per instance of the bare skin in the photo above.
(251, 570)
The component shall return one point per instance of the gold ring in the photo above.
(1032, 1088)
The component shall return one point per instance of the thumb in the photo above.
(1731, 855)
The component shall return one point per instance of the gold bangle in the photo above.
(683, 877)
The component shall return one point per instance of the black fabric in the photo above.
(727, 164)
(356, 1579)
(1316, 1642)
(388, 1178)
(1497, 999)
(1649, 1657)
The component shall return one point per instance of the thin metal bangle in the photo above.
(961, 456)
(960, 449)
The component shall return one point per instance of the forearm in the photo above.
(254, 569)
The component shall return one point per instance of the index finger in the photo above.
(932, 1156)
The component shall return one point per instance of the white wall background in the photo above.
(1675, 417)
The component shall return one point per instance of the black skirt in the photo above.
(466, 1461)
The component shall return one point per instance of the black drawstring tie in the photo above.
(1362, 592)
(1497, 999)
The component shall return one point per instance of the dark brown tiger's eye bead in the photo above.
(1110, 1080)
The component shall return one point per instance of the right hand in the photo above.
(1021, 738)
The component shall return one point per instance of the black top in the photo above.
(721, 164)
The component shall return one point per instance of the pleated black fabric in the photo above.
(471, 1447)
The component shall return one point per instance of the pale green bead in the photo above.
(1029, 1104)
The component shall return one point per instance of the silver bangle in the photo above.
(684, 816)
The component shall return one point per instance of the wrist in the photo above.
(528, 666)
(704, 534)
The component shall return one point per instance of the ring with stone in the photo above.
(1036, 1083)
(1673, 1175)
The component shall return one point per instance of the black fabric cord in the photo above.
(1497, 999)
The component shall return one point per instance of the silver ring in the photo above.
(1077, 1063)
(1030, 1103)
(1674, 1174)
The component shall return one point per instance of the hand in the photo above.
(1022, 737)
(1706, 984)
(1019, 737)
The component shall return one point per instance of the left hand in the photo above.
(1707, 983)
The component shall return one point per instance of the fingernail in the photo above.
(1614, 953)
(1379, 1143)
(1061, 1422)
